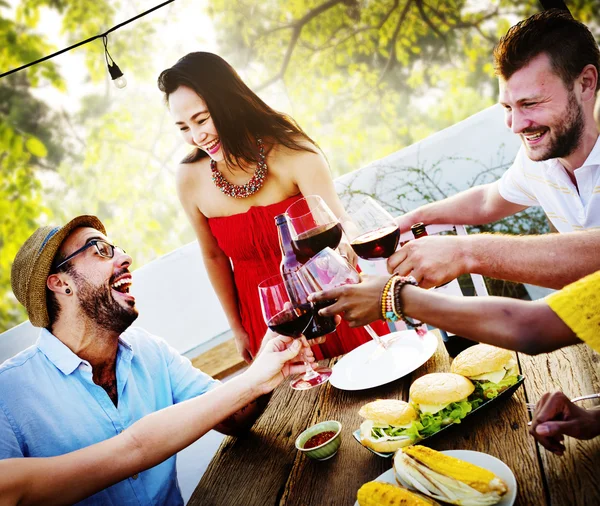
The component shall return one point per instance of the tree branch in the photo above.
(459, 23)
(388, 65)
(433, 28)
(354, 33)
(297, 27)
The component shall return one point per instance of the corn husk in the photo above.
(468, 485)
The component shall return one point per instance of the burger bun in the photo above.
(480, 359)
(440, 388)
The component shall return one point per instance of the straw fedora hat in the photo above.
(31, 267)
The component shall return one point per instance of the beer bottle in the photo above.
(419, 230)
(289, 263)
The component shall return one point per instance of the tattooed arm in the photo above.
(244, 418)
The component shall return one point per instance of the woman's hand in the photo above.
(359, 304)
(242, 343)
(276, 361)
(347, 252)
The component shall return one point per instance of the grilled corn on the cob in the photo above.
(375, 493)
(446, 478)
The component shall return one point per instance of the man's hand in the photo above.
(359, 304)
(275, 361)
(433, 260)
(556, 416)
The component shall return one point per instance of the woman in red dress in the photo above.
(248, 165)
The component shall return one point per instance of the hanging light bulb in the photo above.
(117, 76)
(113, 69)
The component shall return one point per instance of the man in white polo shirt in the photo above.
(548, 68)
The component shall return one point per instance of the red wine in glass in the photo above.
(287, 311)
(314, 227)
(308, 244)
(380, 243)
(292, 322)
(372, 231)
(320, 325)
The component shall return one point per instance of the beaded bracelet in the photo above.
(397, 301)
(387, 312)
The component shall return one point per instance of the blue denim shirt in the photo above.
(49, 405)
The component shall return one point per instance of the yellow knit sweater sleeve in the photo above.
(578, 305)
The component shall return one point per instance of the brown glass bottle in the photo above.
(419, 230)
(289, 263)
(289, 266)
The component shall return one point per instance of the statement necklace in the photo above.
(244, 190)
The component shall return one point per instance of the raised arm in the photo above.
(525, 326)
(69, 478)
(475, 206)
(218, 265)
(550, 260)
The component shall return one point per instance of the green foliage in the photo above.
(393, 72)
(54, 164)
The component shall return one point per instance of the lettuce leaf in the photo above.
(379, 432)
(486, 390)
(429, 424)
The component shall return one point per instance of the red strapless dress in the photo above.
(250, 240)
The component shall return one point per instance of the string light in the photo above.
(113, 69)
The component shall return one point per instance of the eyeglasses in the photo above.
(103, 248)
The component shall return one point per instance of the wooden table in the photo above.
(263, 468)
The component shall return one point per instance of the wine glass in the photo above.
(313, 226)
(288, 312)
(328, 269)
(371, 230)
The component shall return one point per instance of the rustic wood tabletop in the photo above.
(264, 468)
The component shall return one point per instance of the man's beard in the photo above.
(98, 304)
(567, 134)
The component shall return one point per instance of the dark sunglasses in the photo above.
(104, 249)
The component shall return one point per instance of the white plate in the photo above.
(369, 365)
(484, 460)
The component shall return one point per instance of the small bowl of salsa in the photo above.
(321, 441)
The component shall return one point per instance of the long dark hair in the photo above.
(238, 113)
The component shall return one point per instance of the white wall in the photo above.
(460, 152)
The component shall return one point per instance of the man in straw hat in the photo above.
(90, 375)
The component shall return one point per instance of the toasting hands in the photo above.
(358, 303)
(276, 361)
(432, 260)
(556, 416)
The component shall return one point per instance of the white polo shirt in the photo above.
(548, 185)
